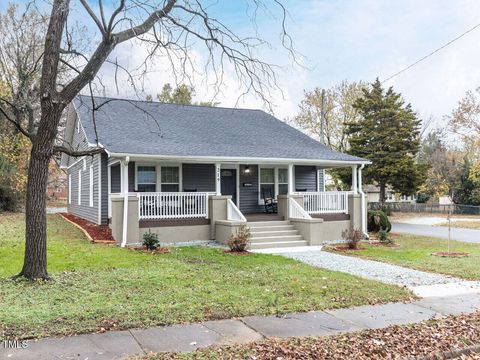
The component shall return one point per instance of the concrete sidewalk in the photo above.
(120, 344)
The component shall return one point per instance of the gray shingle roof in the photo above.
(140, 127)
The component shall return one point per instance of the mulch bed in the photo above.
(96, 232)
(231, 252)
(158, 250)
(450, 254)
(451, 337)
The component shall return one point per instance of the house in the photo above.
(197, 173)
(373, 195)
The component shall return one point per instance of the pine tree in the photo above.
(388, 134)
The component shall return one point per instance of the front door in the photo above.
(229, 183)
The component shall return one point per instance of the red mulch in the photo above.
(158, 250)
(231, 252)
(96, 232)
(450, 254)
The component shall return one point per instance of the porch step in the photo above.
(266, 232)
(272, 238)
(267, 223)
(277, 244)
(270, 228)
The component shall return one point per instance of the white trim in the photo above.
(218, 179)
(354, 180)
(90, 185)
(275, 181)
(79, 200)
(109, 191)
(235, 167)
(124, 172)
(240, 160)
(76, 162)
(99, 157)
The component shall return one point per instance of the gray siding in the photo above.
(84, 210)
(249, 195)
(115, 185)
(78, 140)
(131, 176)
(199, 176)
(306, 178)
(104, 205)
(321, 175)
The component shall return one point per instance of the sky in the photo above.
(339, 40)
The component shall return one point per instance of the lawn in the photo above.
(466, 224)
(96, 287)
(416, 252)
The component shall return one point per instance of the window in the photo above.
(79, 200)
(170, 179)
(282, 181)
(90, 186)
(267, 183)
(69, 188)
(146, 179)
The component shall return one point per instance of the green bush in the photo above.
(150, 240)
(377, 220)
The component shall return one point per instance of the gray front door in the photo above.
(229, 183)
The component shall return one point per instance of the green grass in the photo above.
(465, 224)
(99, 286)
(416, 252)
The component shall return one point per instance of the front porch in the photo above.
(209, 201)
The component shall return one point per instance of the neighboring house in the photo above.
(198, 173)
(57, 186)
(373, 195)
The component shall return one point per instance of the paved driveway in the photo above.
(459, 234)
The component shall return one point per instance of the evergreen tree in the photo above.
(388, 134)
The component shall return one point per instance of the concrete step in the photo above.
(271, 228)
(277, 244)
(267, 223)
(262, 232)
(275, 238)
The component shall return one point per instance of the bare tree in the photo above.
(167, 27)
(324, 112)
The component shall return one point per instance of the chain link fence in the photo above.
(426, 208)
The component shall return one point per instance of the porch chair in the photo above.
(271, 206)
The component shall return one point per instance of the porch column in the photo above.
(290, 179)
(354, 179)
(218, 184)
(124, 183)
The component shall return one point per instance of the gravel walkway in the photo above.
(390, 274)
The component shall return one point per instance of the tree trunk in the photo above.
(382, 195)
(35, 260)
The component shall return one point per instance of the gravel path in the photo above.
(390, 274)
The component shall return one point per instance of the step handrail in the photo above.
(295, 211)
(233, 212)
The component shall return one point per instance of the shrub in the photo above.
(150, 240)
(240, 240)
(353, 238)
(377, 220)
(383, 237)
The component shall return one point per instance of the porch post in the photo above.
(124, 177)
(290, 179)
(354, 179)
(218, 185)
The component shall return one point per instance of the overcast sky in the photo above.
(351, 40)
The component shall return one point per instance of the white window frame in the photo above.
(159, 169)
(158, 174)
(79, 200)
(275, 179)
(149, 165)
(90, 186)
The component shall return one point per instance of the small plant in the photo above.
(352, 238)
(240, 241)
(383, 237)
(150, 240)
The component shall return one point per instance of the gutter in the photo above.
(363, 203)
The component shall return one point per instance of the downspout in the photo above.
(363, 202)
(125, 202)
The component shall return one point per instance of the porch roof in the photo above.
(158, 129)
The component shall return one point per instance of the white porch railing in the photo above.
(295, 211)
(172, 205)
(233, 212)
(326, 202)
